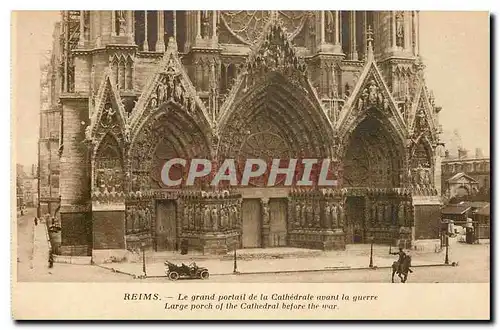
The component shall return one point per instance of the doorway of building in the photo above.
(355, 216)
(166, 229)
(277, 222)
(251, 231)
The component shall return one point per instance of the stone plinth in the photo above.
(317, 239)
(108, 228)
(210, 221)
(316, 219)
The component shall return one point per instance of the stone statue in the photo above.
(198, 217)
(170, 87)
(310, 215)
(327, 216)
(401, 214)
(128, 219)
(122, 22)
(178, 91)
(108, 116)
(214, 217)
(153, 102)
(373, 92)
(400, 29)
(341, 216)
(206, 217)
(185, 222)
(298, 213)
(161, 93)
(238, 215)
(317, 216)
(88, 133)
(265, 213)
(334, 217)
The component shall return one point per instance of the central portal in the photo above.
(252, 228)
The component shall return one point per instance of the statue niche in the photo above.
(108, 166)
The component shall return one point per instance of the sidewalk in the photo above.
(41, 248)
(354, 257)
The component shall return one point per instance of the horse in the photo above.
(405, 268)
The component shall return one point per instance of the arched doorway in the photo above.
(373, 159)
(275, 119)
(169, 132)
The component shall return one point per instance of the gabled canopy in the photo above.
(273, 55)
(109, 115)
(370, 94)
(169, 84)
(422, 111)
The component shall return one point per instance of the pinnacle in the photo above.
(369, 39)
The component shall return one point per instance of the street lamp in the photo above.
(371, 252)
(143, 246)
(235, 268)
(446, 259)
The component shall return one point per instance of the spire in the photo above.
(369, 40)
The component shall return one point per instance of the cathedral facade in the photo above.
(140, 87)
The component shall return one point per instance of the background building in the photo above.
(137, 88)
(50, 124)
(466, 177)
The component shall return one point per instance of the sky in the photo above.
(454, 46)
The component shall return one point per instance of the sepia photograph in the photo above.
(199, 147)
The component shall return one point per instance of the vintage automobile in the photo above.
(174, 272)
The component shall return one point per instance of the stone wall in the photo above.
(74, 177)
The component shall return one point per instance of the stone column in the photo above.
(97, 26)
(145, 44)
(264, 202)
(74, 179)
(130, 26)
(113, 23)
(354, 51)
(160, 42)
(214, 24)
(322, 24)
(407, 34)
(417, 34)
(198, 24)
(337, 27)
(82, 28)
(393, 24)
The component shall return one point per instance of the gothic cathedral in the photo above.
(137, 88)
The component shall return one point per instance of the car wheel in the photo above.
(204, 275)
(173, 276)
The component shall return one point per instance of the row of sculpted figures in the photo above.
(310, 213)
(387, 213)
(139, 217)
(206, 217)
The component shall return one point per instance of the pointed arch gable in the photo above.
(108, 163)
(362, 101)
(289, 107)
(273, 61)
(170, 83)
(109, 114)
(423, 105)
